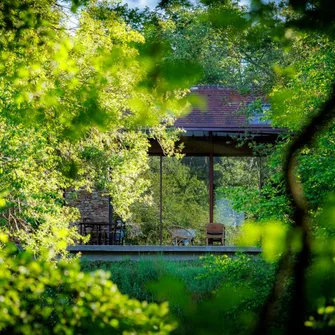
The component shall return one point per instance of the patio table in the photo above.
(181, 235)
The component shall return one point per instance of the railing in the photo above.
(103, 233)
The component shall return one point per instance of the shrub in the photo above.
(39, 297)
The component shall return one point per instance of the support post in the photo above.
(211, 188)
(260, 172)
(161, 200)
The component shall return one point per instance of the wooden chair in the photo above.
(215, 232)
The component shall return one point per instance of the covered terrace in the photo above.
(217, 150)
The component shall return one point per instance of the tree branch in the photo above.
(300, 228)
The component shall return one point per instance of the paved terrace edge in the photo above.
(132, 252)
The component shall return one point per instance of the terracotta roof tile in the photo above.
(223, 106)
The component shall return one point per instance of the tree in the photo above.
(296, 95)
(74, 107)
(209, 35)
(297, 259)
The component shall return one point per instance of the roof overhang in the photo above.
(252, 129)
(219, 141)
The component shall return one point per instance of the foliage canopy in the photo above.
(66, 99)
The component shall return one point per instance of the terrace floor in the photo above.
(136, 252)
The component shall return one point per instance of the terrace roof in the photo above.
(223, 112)
(218, 129)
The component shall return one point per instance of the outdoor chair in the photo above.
(103, 233)
(215, 232)
(180, 235)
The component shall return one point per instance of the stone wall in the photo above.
(93, 206)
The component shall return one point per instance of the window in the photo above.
(258, 116)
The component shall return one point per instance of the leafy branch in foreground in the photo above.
(298, 251)
(39, 297)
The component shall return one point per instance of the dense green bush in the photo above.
(206, 296)
(133, 278)
(39, 297)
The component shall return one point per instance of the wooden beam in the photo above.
(161, 199)
(211, 188)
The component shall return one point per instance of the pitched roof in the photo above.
(222, 112)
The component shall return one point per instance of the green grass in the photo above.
(230, 289)
(134, 278)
